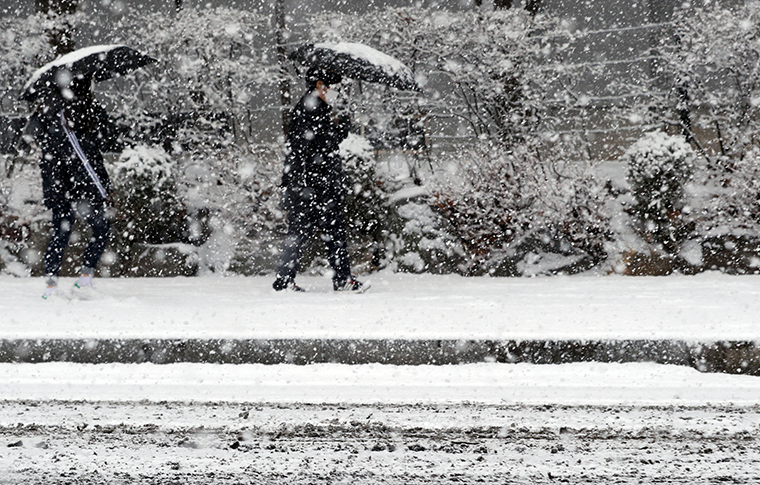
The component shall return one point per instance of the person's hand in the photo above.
(343, 124)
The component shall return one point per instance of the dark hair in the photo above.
(326, 75)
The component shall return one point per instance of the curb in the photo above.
(733, 357)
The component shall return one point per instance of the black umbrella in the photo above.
(357, 61)
(96, 63)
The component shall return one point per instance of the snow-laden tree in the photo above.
(212, 64)
(472, 64)
(199, 103)
(710, 89)
(517, 197)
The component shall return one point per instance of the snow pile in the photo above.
(579, 384)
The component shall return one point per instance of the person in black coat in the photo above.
(71, 130)
(313, 185)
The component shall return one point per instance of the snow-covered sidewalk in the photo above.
(706, 307)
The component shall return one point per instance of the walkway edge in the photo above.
(734, 357)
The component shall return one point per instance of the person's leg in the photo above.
(333, 226)
(62, 224)
(95, 215)
(300, 228)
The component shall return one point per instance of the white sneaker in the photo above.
(83, 289)
(53, 293)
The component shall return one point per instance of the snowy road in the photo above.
(63, 423)
(56, 443)
(579, 384)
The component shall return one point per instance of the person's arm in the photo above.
(108, 134)
(300, 140)
(53, 160)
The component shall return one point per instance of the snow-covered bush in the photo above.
(523, 216)
(423, 241)
(365, 209)
(390, 222)
(148, 211)
(146, 167)
(659, 167)
(238, 191)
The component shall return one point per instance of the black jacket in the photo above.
(313, 138)
(65, 177)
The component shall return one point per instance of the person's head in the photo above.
(79, 102)
(328, 77)
(71, 93)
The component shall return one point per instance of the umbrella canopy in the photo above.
(96, 63)
(357, 61)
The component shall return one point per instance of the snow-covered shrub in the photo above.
(726, 217)
(365, 210)
(659, 167)
(423, 241)
(145, 166)
(389, 219)
(13, 240)
(148, 211)
(237, 190)
(523, 216)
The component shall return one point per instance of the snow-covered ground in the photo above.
(700, 308)
(567, 384)
(710, 306)
(381, 424)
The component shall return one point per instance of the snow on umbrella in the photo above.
(357, 61)
(96, 63)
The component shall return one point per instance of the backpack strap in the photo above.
(80, 153)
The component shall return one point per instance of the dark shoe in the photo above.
(351, 285)
(280, 285)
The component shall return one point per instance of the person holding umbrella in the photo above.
(313, 176)
(313, 184)
(71, 130)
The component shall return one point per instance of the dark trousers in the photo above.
(307, 212)
(63, 223)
